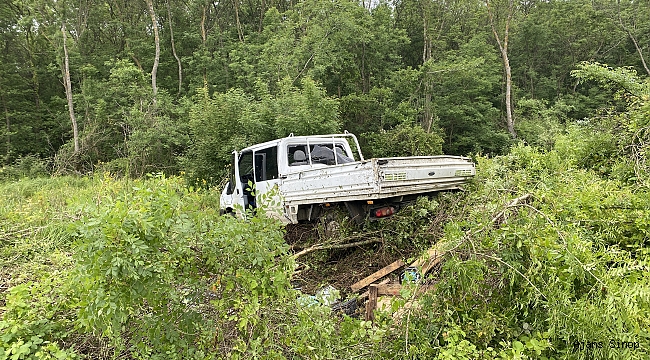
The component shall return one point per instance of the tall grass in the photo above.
(34, 218)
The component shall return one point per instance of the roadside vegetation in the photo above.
(119, 119)
(105, 267)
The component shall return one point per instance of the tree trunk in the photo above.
(68, 89)
(178, 60)
(638, 50)
(8, 129)
(240, 32)
(204, 41)
(631, 36)
(154, 87)
(509, 118)
(503, 48)
(426, 50)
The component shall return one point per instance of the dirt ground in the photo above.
(339, 268)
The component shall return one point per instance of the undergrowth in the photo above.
(546, 257)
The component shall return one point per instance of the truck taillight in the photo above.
(385, 211)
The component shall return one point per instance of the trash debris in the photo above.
(326, 296)
(410, 275)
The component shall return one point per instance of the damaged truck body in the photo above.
(306, 175)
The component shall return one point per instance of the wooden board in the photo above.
(389, 289)
(394, 289)
(371, 305)
(377, 275)
(367, 293)
(432, 258)
(376, 290)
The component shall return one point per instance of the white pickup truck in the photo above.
(312, 173)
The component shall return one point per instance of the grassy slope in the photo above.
(569, 266)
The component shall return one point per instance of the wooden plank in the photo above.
(389, 289)
(371, 305)
(432, 258)
(366, 293)
(394, 289)
(377, 275)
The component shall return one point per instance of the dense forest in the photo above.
(143, 86)
(120, 117)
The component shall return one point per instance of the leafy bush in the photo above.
(403, 140)
(32, 325)
(535, 278)
(27, 166)
(539, 124)
(231, 121)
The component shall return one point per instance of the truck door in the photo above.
(266, 174)
(232, 196)
(246, 179)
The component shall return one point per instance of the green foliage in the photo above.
(462, 88)
(534, 279)
(308, 111)
(589, 149)
(156, 266)
(32, 325)
(154, 273)
(226, 122)
(622, 134)
(403, 140)
(38, 304)
(26, 166)
(123, 128)
(539, 124)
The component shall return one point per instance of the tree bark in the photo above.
(204, 38)
(154, 70)
(178, 60)
(426, 50)
(68, 89)
(503, 48)
(638, 49)
(8, 128)
(631, 36)
(240, 32)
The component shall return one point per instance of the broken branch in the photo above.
(334, 246)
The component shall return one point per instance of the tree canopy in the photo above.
(140, 73)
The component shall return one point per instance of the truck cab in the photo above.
(298, 177)
(258, 169)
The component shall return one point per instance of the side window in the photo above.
(231, 178)
(266, 164)
(246, 167)
(297, 155)
(329, 155)
(318, 154)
